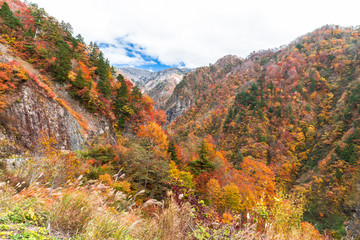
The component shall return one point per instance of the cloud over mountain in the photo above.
(195, 33)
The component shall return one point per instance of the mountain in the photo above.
(265, 147)
(137, 76)
(158, 85)
(294, 109)
(197, 84)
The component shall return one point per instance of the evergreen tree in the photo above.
(80, 39)
(94, 56)
(203, 164)
(9, 18)
(104, 85)
(62, 65)
(80, 81)
(172, 151)
(238, 160)
(136, 97)
(122, 99)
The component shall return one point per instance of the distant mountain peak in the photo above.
(158, 85)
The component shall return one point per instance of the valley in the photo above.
(262, 147)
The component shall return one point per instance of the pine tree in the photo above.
(172, 151)
(202, 164)
(80, 81)
(102, 71)
(62, 65)
(9, 18)
(136, 97)
(80, 39)
(122, 99)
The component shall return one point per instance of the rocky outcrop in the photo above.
(160, 90)
(177, 107)
(158, 85)
(352, 205)
(137, 76)
(31, 114)
(34, 114)
(353, 227)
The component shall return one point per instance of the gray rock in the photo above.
(158, 85)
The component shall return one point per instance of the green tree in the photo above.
(80, 81)
(80, 39)
(102, 71)
(136, 97)
(79, 85)
(202, 164)
(62, 65)
(122, 100)
(172, 152)
(9, 18)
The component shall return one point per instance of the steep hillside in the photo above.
(294, 110)
(199, 85)
(158, 85)
(67, 89)
(38, 106)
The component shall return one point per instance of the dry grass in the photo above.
(86, 213)
(173, 222)
(250, 232)
(109, 226)
(72, 212)
(91, 211)
(6, 196)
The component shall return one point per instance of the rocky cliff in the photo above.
(31, 113)
(158, 85)
(179, 102)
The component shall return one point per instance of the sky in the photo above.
(157, 34)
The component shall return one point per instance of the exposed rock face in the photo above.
(31, 113)
(177, 108)
(34, 113)
(353, 227)
(178, 102)
(158, 85)
(163, 85)
(353, 205)
(138, 76)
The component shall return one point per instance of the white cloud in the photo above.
(198, 32)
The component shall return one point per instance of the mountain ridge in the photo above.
(288, 109)
(158, 85)
(267, 146)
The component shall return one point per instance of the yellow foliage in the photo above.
(72, 76)
(123, 186)
(153, 133)
(185, 179)
(106, 179)
(227, 198)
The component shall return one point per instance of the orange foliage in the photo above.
(154, 134)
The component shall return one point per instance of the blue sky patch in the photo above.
(132, 50)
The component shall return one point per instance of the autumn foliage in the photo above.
(269, 145)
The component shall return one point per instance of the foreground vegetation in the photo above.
(91, 209)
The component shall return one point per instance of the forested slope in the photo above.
(261, 146)
(293, 110)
